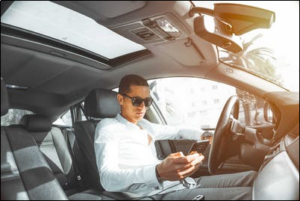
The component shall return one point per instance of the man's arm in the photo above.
(172, 132)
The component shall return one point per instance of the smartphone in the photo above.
(199, 146)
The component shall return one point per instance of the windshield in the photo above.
(270, 53)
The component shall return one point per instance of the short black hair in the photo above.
(131, 80)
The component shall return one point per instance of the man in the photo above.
(126, 155)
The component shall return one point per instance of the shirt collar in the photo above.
(122, 120)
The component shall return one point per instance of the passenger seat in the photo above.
(25, 175)
(55, 149)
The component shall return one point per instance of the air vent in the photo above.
(273, 152)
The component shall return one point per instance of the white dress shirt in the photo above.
(125, 159)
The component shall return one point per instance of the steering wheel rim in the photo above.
(215, 154)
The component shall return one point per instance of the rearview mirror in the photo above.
(214, 31)
(243, 18)
(229, 21)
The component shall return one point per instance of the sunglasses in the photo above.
(136, 101)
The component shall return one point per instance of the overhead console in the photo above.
(160, 28)
(168, 34)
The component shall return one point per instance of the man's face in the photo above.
(130, 112)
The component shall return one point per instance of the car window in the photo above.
(251, 109)
(198, 103)
(13, 116)
(64, 120)
(190, 101)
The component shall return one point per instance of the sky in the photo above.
(283, 38)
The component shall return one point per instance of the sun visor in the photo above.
(192, 56)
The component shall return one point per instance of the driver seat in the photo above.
(99, 104)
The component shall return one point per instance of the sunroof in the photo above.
(55, 21)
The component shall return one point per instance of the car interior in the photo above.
(50, 76)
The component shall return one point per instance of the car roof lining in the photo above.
(66, 78)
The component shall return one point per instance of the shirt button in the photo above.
(156, 188)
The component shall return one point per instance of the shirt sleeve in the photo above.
(112, 177)
(173, 132)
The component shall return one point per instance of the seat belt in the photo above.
(72, 140)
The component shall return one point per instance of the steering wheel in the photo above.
(217, 149)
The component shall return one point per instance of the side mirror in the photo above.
(268, 113)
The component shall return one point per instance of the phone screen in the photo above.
(200, 146)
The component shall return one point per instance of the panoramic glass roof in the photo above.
(55, 21)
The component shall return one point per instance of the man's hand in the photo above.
(177, 166)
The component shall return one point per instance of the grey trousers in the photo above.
(237, 186)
